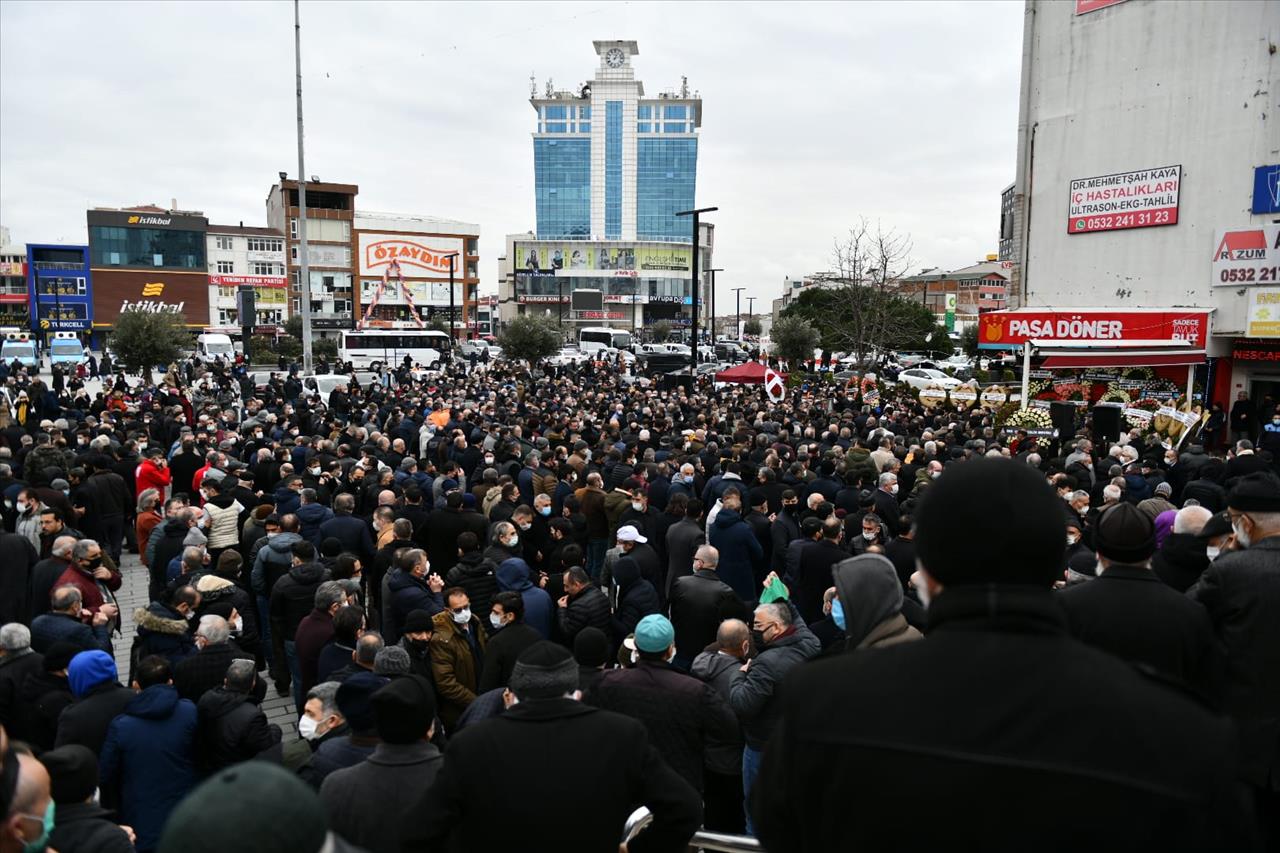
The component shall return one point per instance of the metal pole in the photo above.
(712, 302)
(304, 276)
(693, 286)
(451, 329)
(738, 297)
(559, 301)
(1026, 374)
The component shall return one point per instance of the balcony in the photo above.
(57, 265)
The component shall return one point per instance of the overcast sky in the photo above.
(813, 115)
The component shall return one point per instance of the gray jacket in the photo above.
(754, 694)
(365, 803)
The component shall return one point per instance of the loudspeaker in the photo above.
(1106, 424)
(1063, 418)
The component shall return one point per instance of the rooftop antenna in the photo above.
(684, 86)
(533, 85)
(550, 88)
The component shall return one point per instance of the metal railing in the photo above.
(702, 839)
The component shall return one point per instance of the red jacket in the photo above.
(90, 593)
(150, 476)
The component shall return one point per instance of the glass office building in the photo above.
(611, 163)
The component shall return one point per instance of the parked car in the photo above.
(567, 356)
(958, 362)
(923, 377)
(911, 359)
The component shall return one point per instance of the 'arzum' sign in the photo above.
(419, 257)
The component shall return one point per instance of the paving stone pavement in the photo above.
(133, 595)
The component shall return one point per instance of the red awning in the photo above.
(1120, 358)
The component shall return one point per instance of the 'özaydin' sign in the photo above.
(419, 257)
(1008, 328)
(1142, 199)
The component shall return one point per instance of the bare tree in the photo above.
(867, 264)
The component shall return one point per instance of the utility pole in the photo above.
(738, 291)
(452, 256)
(693, 286)
(304, 276)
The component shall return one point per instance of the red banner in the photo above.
(1083, 7)
(1007, 328)
(255, 280)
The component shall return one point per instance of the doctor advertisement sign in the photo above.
(1142, 199)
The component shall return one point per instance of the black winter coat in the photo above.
(173, 533)
(441, 536)
(681, 713)
(1130, 613)
(86, 720)
(605, 753)
(87, 826)
(475, 574)
(699, 603)
(44, 697)
(294, 596)
(18, 557)
(500, 654)
(1010, 750)
(1181, 561)
(589, 607)
(756, 695)
(230, 729)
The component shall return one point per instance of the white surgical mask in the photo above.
(238, 624)
(513, 542)
(1213, 551)
(307, 728)
(462, 618)
(495, 620)
(935, 474)
(525, 526)
(1071, 540)
(893, 490)
(868, 535)
(315, 472)
(637, 506)
(22, 506)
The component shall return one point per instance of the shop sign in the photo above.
(1140, 199)
(1264, 313)
(1008, 328)
(254, 280)
(1084, 7)
(1267, 351)
(1266, 190)
(1247, 256)
(418, 256)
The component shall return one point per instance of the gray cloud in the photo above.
(814, 114)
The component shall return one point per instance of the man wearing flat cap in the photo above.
(1241, 591)
(1128, 611)
(482, 794)
(976, 736)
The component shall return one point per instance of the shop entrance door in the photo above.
(1264, 392)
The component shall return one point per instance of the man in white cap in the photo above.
(633, 544)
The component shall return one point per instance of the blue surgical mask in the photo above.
(544, 510)
(837, 613)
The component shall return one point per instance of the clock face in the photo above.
(614, 58)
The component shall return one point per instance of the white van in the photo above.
(20, 346)
(66, 348)
(594, 338)
(211, 346)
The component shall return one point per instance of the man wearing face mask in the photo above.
(28, 808)
(1241, 594)
(415, 638)
(508, 638)
(166, 629)
(886, 502)
(97, 583)
(457, 655)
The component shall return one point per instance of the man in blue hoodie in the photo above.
(514, 575)
(311, 513)
(147, 761)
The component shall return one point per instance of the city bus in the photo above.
(368, 347)
(592, 338)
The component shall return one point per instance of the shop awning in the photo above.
(1060, 355)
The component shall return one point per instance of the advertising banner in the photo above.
(1141, 199)
(255, 280)
(1006, 328)
(627, 259)
(1268, 351)
(421, 292)
(419, 256)
(156, 291)
(66, 317)
(1264, 313)
(18, 268)
(1249, 255)
(1266, 190)
(1084, 7)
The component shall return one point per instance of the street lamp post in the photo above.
(738, 292)
(712, 324)
(452, 256)
(304, 276)
(693, 286)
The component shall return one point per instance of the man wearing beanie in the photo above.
(482, 794)
(680, 712)
(365, 803)
(1241, 592)
(79, 822)
(99, 698)
(998, 717)
(1128, 611)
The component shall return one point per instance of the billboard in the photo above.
(419, 256)
(1249, 255)
(156, 291)
(137, 219)
(1010, 328)
(421, 292)
(1143, 199)
(587, 258)
(255, 280)
(1264, 313)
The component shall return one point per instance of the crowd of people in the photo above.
(511, 606)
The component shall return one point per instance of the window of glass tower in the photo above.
(666, 171)
(562, 179)
(613, 169)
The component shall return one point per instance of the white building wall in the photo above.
(1138, 85)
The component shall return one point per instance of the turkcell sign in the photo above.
(1143, 199)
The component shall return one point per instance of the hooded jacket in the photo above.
(871, 598)
(513, 576)
(723, 755)
(756, 694)
(161, 631)
(274, 560)
(408, 593)
(294, 596)
(173, 532)
(147, 760)
(739, 551)
(477, 576)
(313, 515)
(98, 699)
(231, 729)
(636, 599)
